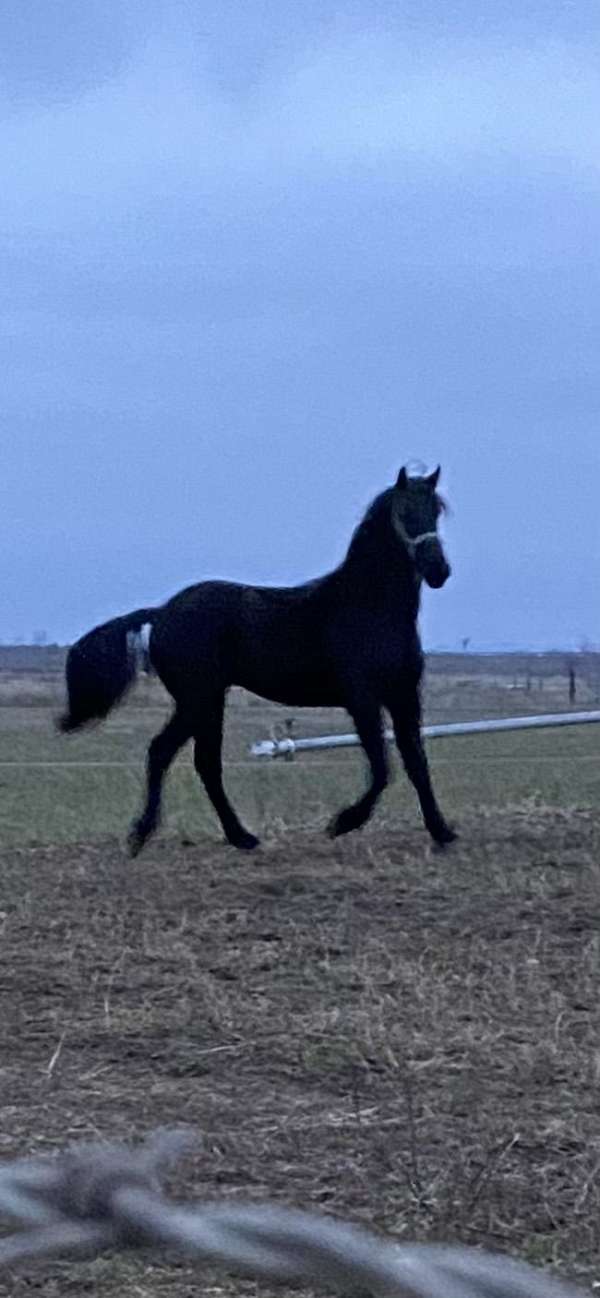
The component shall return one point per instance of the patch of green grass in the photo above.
(91, 785)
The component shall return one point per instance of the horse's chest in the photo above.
(386, 642)
(393, 656)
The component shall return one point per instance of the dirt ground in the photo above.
(404, 1038)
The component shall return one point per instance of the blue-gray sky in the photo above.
(255, 255)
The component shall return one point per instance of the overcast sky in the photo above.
(256, 254)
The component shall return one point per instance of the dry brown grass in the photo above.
(407, 1039)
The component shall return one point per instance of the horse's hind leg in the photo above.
(208, 740)
(163, 748)
(366, 715)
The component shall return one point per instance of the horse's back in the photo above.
(268, 639)
(299, 645)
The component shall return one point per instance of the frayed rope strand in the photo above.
(98, 1197)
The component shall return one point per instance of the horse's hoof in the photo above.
(135, 841)
(341, 824)
(442, 839)
(246, 842)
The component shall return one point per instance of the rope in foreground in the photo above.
(98, 1197)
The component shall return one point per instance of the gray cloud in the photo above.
(249, 271)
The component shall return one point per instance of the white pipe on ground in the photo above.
(287, 747)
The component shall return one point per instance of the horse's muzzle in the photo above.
(438, 577)
(433, 565)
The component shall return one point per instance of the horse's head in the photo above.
(416, 508)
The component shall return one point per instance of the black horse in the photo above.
(348, 639)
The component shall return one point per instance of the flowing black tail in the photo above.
(101, 666)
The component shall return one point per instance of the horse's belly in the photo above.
(296, 685)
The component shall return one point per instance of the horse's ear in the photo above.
(402, 479)
(434, 477)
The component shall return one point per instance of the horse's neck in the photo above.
(391, 586)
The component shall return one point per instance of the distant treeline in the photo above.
(51, 658)
(540, 666)
(33, 658)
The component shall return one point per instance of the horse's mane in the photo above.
(374, 527)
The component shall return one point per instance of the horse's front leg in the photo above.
(366, 715)
(406, 720)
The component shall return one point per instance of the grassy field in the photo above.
(405, 1038)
